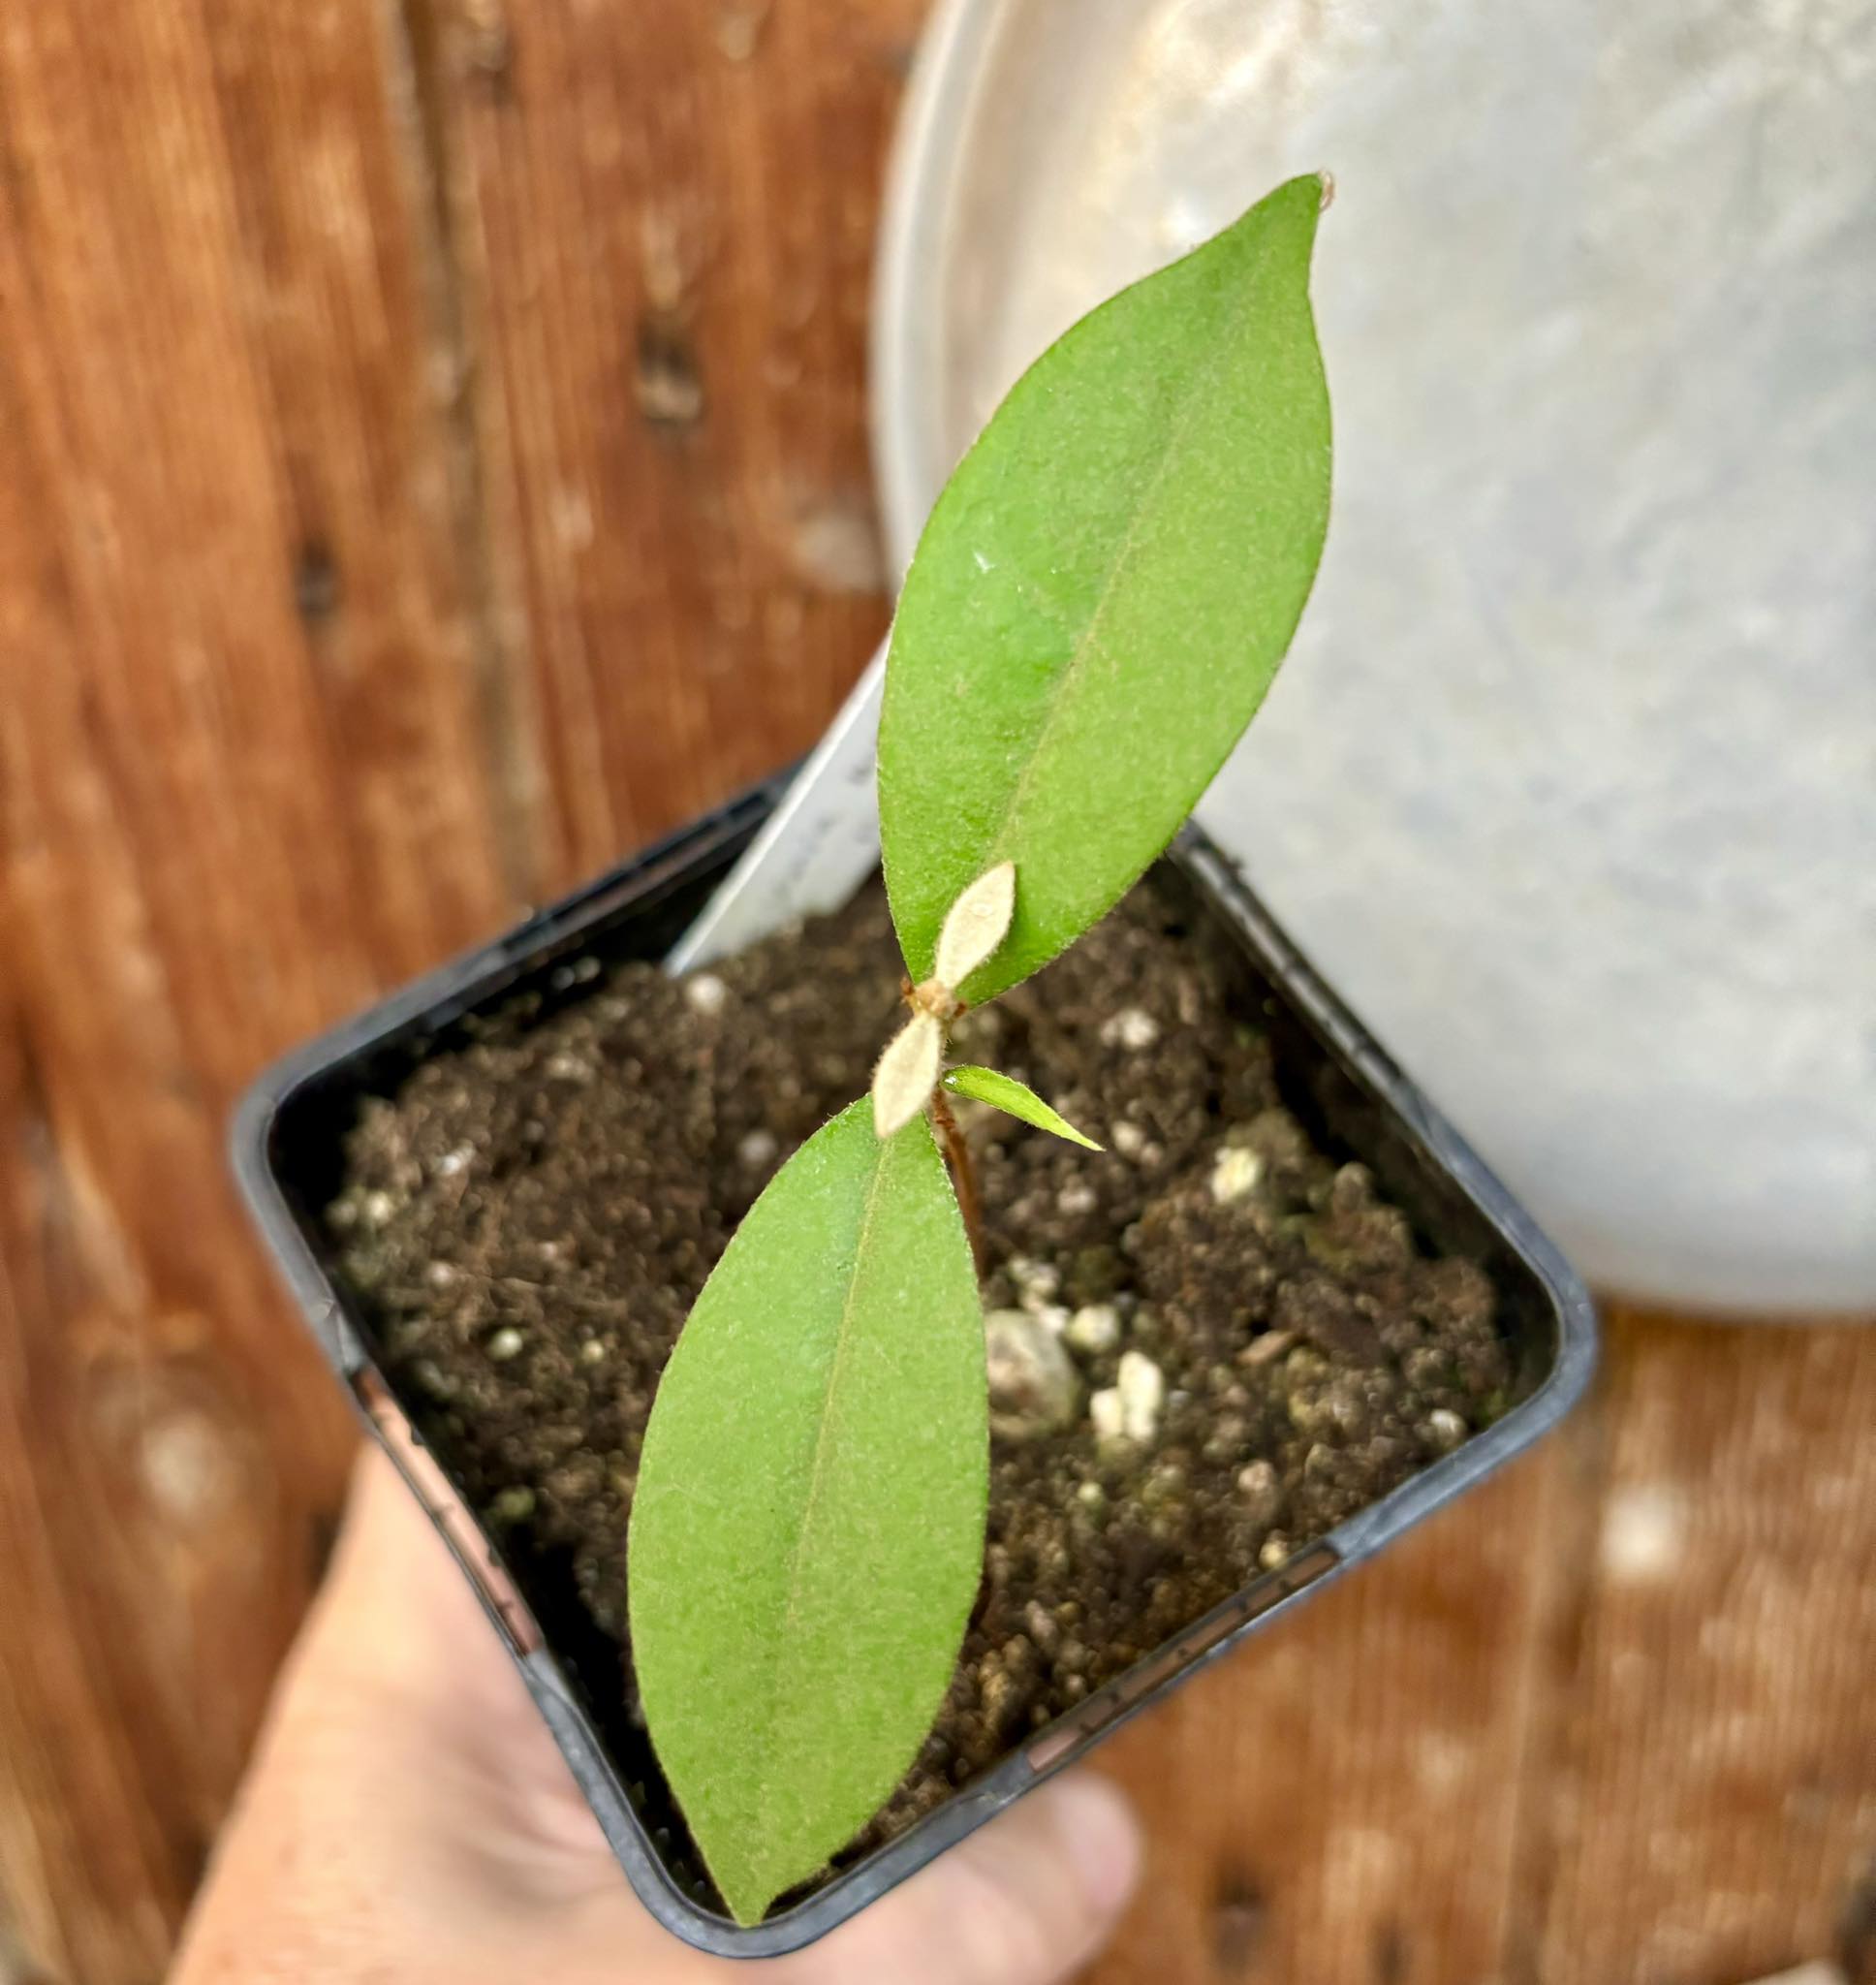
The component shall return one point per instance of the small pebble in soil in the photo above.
(1037, 1281)
(758, 1148)
(1275, 1552)
(1032, 1384)
(1077, 1198)
(592, 1352)
(1128, 1138)
(1261, 1490)
(513, 1505)
(1052, 1317)
(505, 1344)
(1130, 1029)
(1142, 1386)
(1105, 1415)
(1094, 1328)
(1235, 1173)
(376, 1208)
(1445, 1429)
(706, 994)
(440, 1275)
(431, 1378)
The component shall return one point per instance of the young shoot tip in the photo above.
(975, 925)
(907, 1073)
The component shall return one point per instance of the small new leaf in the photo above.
(907, 1073)
(1104, 592)
(807, 1533)
(975, 925)
(1018, 1099)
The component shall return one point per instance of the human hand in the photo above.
(408, 1822)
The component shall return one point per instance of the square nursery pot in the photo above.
(288, 1153)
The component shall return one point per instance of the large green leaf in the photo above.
(807, 1533)
(1104, 592)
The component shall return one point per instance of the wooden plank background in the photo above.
(432, 461)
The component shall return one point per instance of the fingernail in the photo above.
(1102, 1838)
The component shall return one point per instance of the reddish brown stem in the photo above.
(963, 1173)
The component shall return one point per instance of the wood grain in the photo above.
(661, 220)
(432, 460)
(1714, 1811)
(241, 789)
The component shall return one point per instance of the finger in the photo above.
(391, 1562)
(1028, 1900)
(403, 1626)
(401, 1616)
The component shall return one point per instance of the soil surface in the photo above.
(1209, 1344)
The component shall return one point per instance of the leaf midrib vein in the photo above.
(817, 1469)
(1088, 641)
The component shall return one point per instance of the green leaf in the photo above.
(1104, 592)
(807, 1533)
(1005, 1092)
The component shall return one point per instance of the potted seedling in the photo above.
(1033, 1344)
(1095, 608)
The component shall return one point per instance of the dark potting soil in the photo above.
(1209, 1344)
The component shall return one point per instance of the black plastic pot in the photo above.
(286, 1150)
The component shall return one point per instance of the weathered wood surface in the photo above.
(661, 223)
(240, 789)
(433, 461)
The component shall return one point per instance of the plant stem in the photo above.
(963, 1173)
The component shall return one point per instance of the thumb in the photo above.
(1028, 1900)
